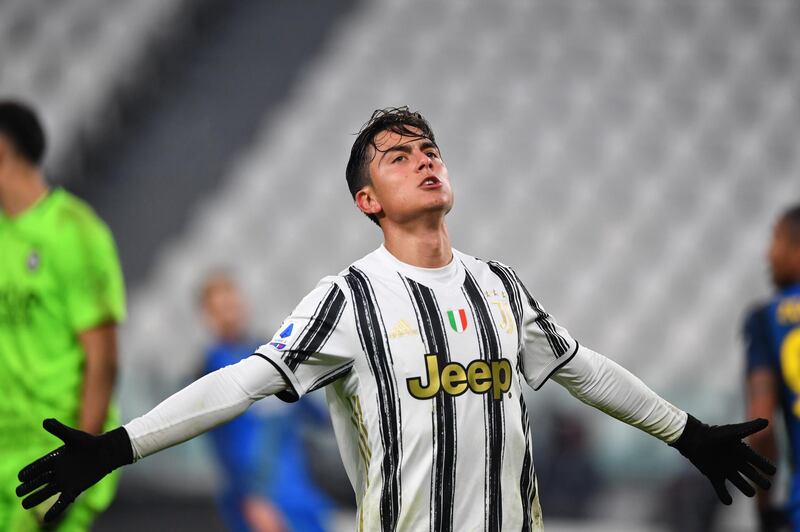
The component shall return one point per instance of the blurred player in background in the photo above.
(61, 298)
(268, 484)
(422, 350)
(772, 335)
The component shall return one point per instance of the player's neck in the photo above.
(422, 247)
(21, 191)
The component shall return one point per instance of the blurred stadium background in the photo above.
(627, 157)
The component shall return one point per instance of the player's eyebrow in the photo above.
(428, 144)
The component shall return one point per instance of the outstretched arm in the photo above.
(607, 386)
(717, 451)
(550, 352)
(210, 401)
(84, 459)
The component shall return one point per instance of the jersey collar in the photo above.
(448, 275)
(34, 211)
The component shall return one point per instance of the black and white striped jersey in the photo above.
(423, 369)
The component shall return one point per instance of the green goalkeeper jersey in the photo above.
(59, 275)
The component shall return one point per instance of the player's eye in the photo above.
(399, 158)
(433, 154)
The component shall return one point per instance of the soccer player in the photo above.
(772, 336)
(61, 297)
(269, 487)
(423, 350)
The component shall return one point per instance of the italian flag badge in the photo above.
(458, 319)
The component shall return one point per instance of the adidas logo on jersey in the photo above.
(454, 379)
(402, 328)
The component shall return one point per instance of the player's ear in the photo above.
(367, 202)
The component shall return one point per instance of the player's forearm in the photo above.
(100, 373)
(607, 386)
(213, 399)
(764, 444)
(762, 400)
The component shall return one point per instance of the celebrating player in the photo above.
(772, 334)
(422, 350)
(61, 296)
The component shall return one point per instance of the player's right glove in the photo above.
(720, 454)
(78, 464)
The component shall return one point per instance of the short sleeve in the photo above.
(316, 344)
(757, 339)
(545, 345)
(90, 273)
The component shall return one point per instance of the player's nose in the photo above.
(423, 161)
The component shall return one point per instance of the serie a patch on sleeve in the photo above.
(280, 340)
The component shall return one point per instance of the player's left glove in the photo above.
(720, 454)
(81, 462)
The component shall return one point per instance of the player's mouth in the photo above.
(430, 183)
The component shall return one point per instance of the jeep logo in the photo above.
(454, 379)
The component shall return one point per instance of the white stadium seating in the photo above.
(69, 59)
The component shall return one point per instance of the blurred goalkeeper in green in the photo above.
(61, 298)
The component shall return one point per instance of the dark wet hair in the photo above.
(398, 120)
(22, 127)
(792, 218)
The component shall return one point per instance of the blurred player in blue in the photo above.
(772, 336)
(268, 487)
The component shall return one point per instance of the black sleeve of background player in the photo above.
(758, 339)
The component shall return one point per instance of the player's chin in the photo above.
(442, 203)
(442, 198)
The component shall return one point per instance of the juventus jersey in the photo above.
(423, 369)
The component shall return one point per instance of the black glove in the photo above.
(719, 453)
(81, 462)
(772, 519)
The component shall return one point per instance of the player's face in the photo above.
(224, 310)
(409, 179)
(784, 256)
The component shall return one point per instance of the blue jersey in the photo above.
(772, 336)
(261, 453)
